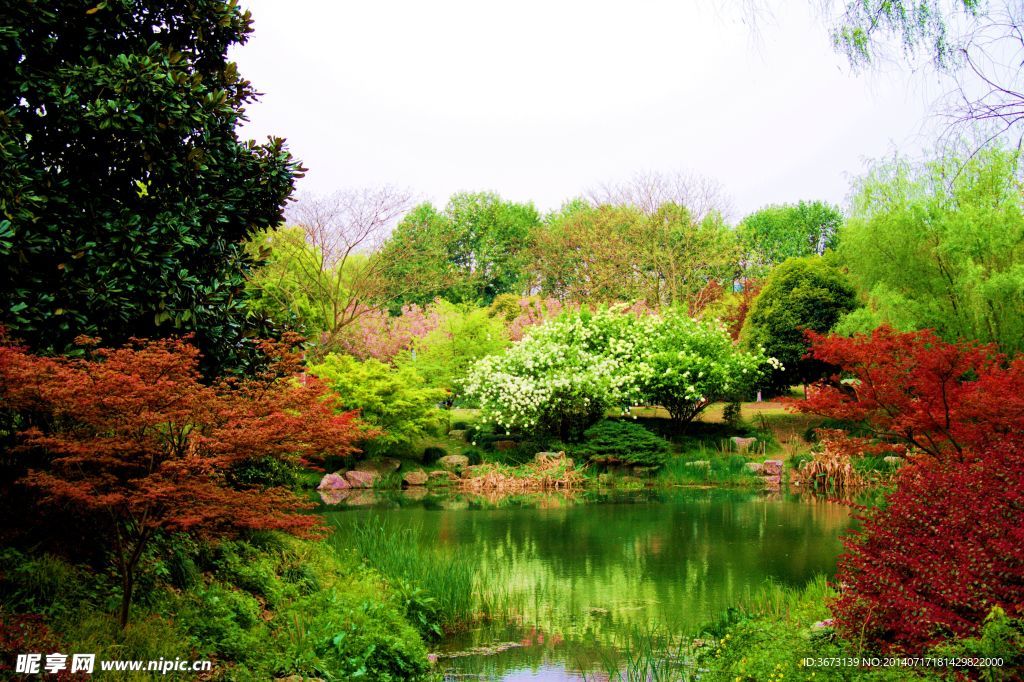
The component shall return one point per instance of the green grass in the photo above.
(441, 585)
(724, 469)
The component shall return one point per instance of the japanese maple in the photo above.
(911, 390)
(133, 441)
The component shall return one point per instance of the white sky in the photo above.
(542, 100)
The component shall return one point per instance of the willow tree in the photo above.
(941, 245)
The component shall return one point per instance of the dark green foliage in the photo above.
(474, 455)
(125, 194)
(460, 426)
(432, 454)
(267, 472)
(613, 441)
(801, 294)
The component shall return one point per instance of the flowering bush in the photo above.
(686, 365)
(566, 373)
(563, 375)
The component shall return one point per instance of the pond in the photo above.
(583, 576)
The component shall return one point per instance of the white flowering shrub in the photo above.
(687, 365)
(566, 373)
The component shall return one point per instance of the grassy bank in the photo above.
(266, 607)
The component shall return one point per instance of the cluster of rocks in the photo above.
(770, 470)
(364, 475)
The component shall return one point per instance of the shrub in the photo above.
(394, 400)
(614, 441)
(947, 548)
(432, 453)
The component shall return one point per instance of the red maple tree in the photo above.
(132, 439)
(913, 390)
(948, 545)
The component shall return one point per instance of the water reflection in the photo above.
(580, 574)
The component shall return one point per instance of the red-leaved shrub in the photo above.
(948, 547)
(949, 543)
(133, 442)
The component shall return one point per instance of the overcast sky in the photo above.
(541, 100)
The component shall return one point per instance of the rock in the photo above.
(896, 462)
(440, 477)
(544, 457)
(743, 444)
(457, 434)
(755, 467)
(361, 479)
(418, 477)
(699, 464)
(382, 465)
(333, 481)
(454, 462)
(504, 445)
(772, 467)
(417, 493)
(773, 482)
(333, 496)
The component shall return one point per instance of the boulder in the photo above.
(504, 445)
(544, 457)
(773, 482)
(441, 476)
(743, 444)
(772, 467)
(454, 462)
(894, 461)
(755, 467)
(382, 465)
(361, 479)
(699, 464)
(418, 477)
(457, 434)
(335, 481)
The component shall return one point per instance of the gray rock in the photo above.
(418, 477)
(454, 462)
(743, 444)
(543, 457)
(335, 481)
(457, 434)
(894, 461)
(361, 479)
(699, 464)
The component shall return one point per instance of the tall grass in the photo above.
(650, 657)
(723, 469)
(441, 584)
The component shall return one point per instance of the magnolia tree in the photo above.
(565, 374)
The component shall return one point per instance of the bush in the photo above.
(614, 441)
(432, 453)
(948, 547)
(391, 399)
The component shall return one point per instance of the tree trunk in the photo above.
(127, 586)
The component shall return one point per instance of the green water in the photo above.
(581, 577)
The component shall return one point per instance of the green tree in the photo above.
(774, 233)
(464, 335)
(941, 246)
(800, 294)
(392, 399)
(126, 194)
(480, 242)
